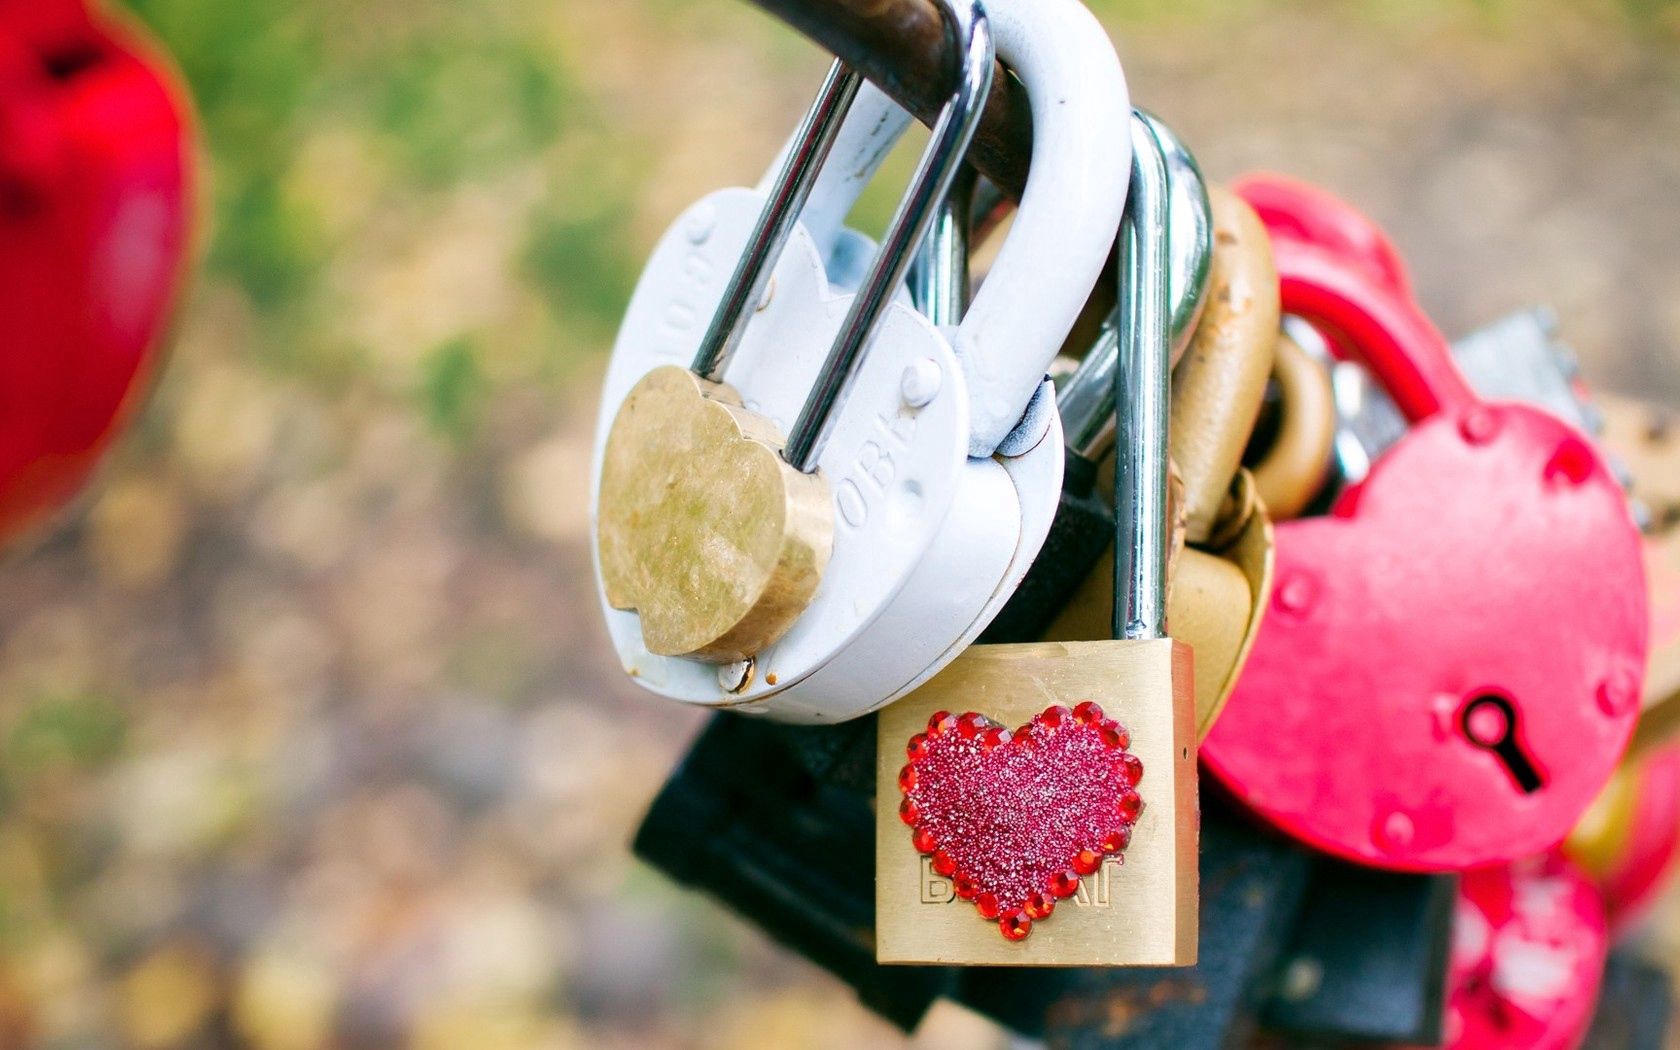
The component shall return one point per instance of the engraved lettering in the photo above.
(876, 464)
(936, 889)
(1095, 891)
(874, 469)
(679, 317)
(854, 509)
(698, 269)
(687, 306)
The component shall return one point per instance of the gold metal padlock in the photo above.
(1219, 590)
(1221, 381)
(1292, 471)
(1646, 438)
(1011, 786)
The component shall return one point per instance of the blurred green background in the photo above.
(309, 735)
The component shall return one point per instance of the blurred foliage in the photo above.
(309, 737)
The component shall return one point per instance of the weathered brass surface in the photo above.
(1646, 438)
(704, 530)
(1142, 912)
(1215, 603)
(1296, 465)
(1220, 383)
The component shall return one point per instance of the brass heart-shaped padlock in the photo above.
(705, 530)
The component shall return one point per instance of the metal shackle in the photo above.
(1142, 393)
(1086, 398)
(939, 166)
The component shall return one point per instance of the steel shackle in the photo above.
(938, 169)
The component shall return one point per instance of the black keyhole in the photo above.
(1489, 722)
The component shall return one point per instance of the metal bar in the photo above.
(1142, 397)
(789, 193)
(939, 283)
(941, 162)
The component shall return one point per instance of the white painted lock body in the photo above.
(930, 538)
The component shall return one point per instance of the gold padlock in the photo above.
(1292, 470)
(1012, 784)
(1219, 591)
(1646, 438)
(1221, 380)
(1601, 834)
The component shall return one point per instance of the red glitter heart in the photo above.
(1015, 820)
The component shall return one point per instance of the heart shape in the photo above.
(704, 530)
(1489, 554)
(1016, 820)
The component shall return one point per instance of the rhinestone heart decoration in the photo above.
(1016, 820)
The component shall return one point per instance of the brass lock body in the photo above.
(1219, 384)
(714, 539)
(1296, 463)
(1647, 439)
(1222, 552)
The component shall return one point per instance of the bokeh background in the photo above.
(309, 734)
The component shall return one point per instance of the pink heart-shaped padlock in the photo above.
(1453, 660)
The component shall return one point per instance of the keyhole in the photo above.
(1489, 722)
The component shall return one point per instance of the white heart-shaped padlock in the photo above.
(944, 457)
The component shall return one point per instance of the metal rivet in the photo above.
(735, 677)
(921, 382)
(1296, 594)
(701, 222)
(1479, 426)
(1619, 692)
(1393, 832)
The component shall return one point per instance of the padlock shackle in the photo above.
(1142, 389)
(1387, 331)
(939, 278)
(1086, 398)
(786, 195)
(938, 169)
(1303, 212)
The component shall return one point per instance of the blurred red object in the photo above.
(1529, 945)
(96, 185)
